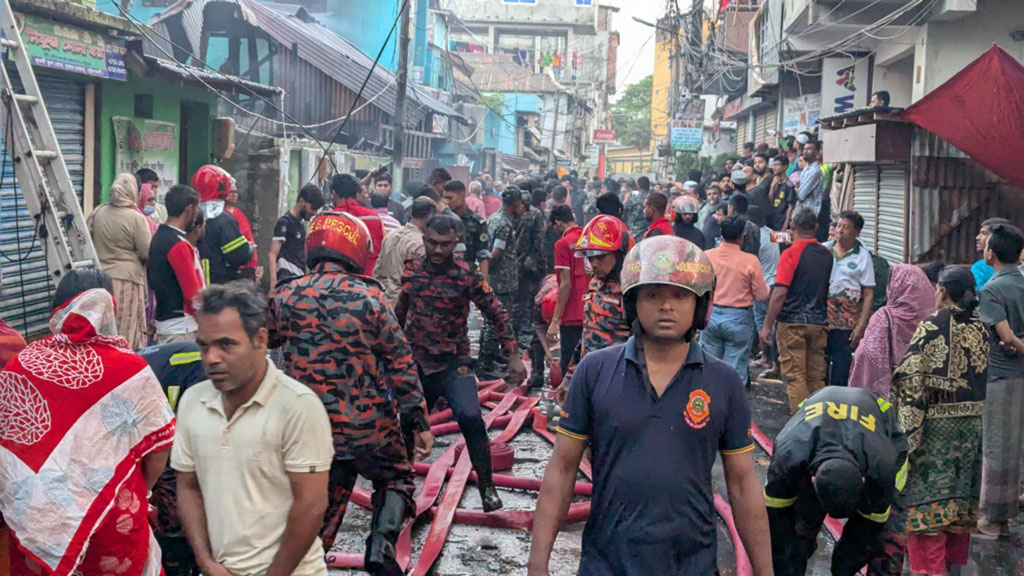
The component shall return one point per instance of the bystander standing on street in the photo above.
(567, 323)
(850, 293)
(654, 212)
(122, 238)
(981, 270)
(174, 269)
(799, 303)
(1002, 312)
(288, 249)
(247, 512)
(740, 285)
(399, 246)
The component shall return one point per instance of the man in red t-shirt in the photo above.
(567, 321)
(346, 189)
(654, 212)
(231, 207)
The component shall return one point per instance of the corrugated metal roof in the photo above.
(498, 72)
(224, 82)
(297, 30)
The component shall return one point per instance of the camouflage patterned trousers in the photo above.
(492, 364)
(388, 467)
(522, 315)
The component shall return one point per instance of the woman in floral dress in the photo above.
(939, 394)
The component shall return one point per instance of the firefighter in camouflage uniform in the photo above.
(474, 243)
(633, 209)
(503, 278)
(340, 337)
(433, 308)
(604, 243)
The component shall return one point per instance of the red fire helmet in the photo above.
(340, 237)
(602, 235)
(212, 182)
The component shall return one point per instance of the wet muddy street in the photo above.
(482, 551)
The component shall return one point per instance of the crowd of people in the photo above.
(267, 400)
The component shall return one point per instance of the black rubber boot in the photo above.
(388, 516)
(480, 455)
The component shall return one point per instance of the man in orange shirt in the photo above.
(740, 283)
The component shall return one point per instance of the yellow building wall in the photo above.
(660, 89)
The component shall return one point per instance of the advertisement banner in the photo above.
(147, 144)
(688, 128)
(844, 85)
(71, 49)
(800, 114)
(604, 136)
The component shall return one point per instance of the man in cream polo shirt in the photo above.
(252, 450)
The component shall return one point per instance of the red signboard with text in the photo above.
(604, 136)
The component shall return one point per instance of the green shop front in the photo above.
(114, 109)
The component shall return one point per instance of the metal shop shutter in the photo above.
(741, 134)
(764, 120)
(892, 213)
(27, 288)
(865, 202)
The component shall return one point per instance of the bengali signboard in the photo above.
(688, 127)
(71, 49)
(800, 114)
(604, 136)
(147, 144)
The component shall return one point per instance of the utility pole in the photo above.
(402, 78)
(554, 133)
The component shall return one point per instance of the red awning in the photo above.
(980, 110)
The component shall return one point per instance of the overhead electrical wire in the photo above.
(188, 70)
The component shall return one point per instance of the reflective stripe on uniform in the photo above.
(574, 435)
(884, 405)
(206, 270)
(182, 358)
(901, 476)
(739, 450)
(173, 393)
(880, 518)
(233, 245)
(772, 502)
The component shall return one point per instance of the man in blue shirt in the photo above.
(656, 412)
(981, 270)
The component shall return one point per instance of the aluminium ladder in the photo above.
(38, 163)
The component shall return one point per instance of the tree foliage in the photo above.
(631, 115)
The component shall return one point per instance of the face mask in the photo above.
(148, 210)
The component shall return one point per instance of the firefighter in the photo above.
(657, 413)
(340, 337)
(604, 243)
(841, 454)
(433, 308)
(178, 367)
(223, 250)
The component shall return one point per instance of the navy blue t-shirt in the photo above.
(652, 509)
(177, 366)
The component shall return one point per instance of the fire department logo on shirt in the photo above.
(698, 409)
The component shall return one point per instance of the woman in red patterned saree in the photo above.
(85, 431)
